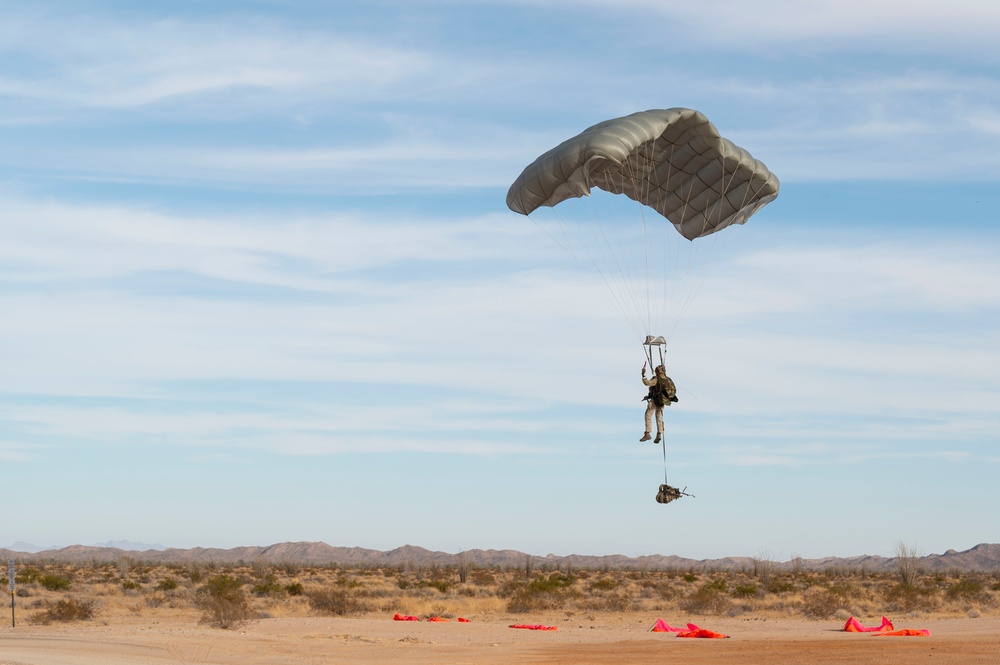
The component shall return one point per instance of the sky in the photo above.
(259, 283)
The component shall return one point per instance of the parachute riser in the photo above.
(659, 343)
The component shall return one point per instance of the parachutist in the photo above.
(662, 392)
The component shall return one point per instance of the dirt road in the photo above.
(317, 641)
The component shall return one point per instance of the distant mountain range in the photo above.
(983, 557)
(21, 546)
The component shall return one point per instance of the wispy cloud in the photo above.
(743, 351)
(111, 63)
(824, 25)
(50, 241)
(919, 121)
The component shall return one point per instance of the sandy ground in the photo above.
(577, 641)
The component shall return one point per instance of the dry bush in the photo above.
(483, 578)
(907, 563)
(54, 582)
(224, 603)
(821, 604)
(155, 600)
(541, 593)
(228, 612)
(167, 584)
(763, 568)
(65, 610)
(658, 589)
(970, 595)
(612, 602)
(604, 584)
(707, 599)
(910, 598)
(338, 602)
(968, 589)
(524, 600)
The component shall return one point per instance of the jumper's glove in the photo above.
(644, 370)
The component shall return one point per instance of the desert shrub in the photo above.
(67, 609)
(552, 583)
(719, 584)
(707, 599)
(221, 585)
(54, 582)
(843, 590)
(604, 584)
(294, 589)
(348, 583)
(541, 593)
(268, 587)
(27, 575)
(966, 589)
(821, 603)
(910, 597)
(339, 602)
(612, 602)
(290, 569)
(745, 591)
(763, 568)
(223, 602)
(483, 578)
(440, 585)
(130, 585)
(167, 584)
(907, 563)
(739, 609)
(663, 590)
(526, 600)
(780, 586)
(464, 568)
(155, 600)
(690, 577)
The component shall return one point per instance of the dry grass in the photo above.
(124, 592)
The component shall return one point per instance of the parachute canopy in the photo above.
(672, 160)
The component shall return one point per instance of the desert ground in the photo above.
(129, 612)
(619, 639)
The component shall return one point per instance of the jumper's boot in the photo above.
(645, 436)
(657, 439)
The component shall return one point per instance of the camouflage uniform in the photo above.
(662, 392)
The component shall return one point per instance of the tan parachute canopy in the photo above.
(672, 160)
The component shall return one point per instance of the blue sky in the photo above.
(258, 281)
